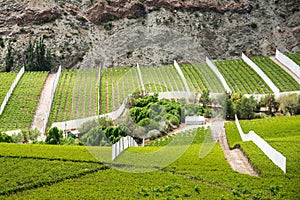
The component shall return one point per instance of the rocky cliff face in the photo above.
(86, 33)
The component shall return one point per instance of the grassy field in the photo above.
(188, 177)
(20, 109)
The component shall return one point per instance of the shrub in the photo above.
(22, 30)
(107, 26)
(5, 138)
(253, 25)
(53, 136)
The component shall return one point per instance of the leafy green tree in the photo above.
(204, 98)
(289, 104)
(9, 59)
(53, 136)
(271, 103)
(247, 107)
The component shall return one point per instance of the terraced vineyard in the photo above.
(20, 109)
(200, 77)
(242, 78)
(161, 79)
(277, 75)
(116, 85)
(76, 95)
(6, 80)
(295, 57)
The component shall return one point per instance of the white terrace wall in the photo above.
(121, 145)
(288, 63)
(48, 109)
(141, 78)
(77, 123)
(219, 75)
(278, 95)
(276, 157)
(182, 77)
(260, 73)
(11, 89)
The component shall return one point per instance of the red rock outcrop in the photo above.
(104, 11)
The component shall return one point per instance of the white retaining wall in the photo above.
(260, 73)
(121, 145)
(276, 157)
(47, 112)
(278, 95)
(289, 63)
(11, 89)
(219, 75)
(77, 123)
(182, 77)
(141, 78)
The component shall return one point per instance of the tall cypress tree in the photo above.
(38, 58)
(29, 57)
(9, 60)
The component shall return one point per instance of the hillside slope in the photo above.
(118, 32)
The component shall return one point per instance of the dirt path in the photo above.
(38, 120)
(236, 158)
(286, 69)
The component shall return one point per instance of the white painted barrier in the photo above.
(219, 75)
(276, 157)
(182, 77)
(260, 73)
(278, 95)
(121, 145)
(289, 63)
(77, 123)
(141, 78)
(11, 89)
(48, 109)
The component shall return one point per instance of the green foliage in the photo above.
(240, 105)
(2, 45)
(22, 30)
(151, 113)
(37, 57)
(107, 26)
(9, 58)
(53, 136)
(205, 99)
(5, 138)
(26, 136)
(253, 25)
(95, 137)
(290, 104)
(271, 103)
